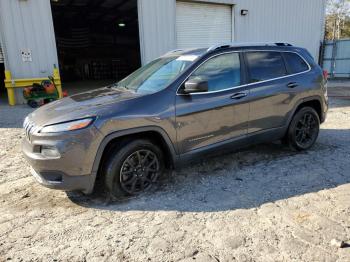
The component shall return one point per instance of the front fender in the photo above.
(132, 131)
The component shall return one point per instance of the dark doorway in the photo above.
(97, 41)
(3, 91)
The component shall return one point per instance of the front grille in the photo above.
(29, 128)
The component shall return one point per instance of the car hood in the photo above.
(91, 103)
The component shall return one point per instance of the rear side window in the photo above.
(265, 65)
(295, 63)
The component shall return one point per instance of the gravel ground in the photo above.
(264, 203)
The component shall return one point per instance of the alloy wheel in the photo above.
(139, 171)
(306, 130)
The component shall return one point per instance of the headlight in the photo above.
(67, 126)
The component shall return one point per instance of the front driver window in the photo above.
(221, 72)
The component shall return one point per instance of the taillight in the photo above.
(325, 74)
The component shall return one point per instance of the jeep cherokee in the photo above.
(179, 107)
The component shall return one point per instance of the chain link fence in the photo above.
(336, 58)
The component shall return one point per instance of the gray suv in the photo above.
(180, 107)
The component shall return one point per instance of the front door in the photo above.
(221, 113)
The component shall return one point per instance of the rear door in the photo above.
(271, 90)
(221, 113)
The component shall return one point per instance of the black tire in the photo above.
(140, 160)
(304, 129)
(32, 104)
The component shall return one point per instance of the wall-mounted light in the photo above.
(121, 24)
(244, 12)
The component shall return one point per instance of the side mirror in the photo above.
(195, 86)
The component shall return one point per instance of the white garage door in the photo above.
(203, 25)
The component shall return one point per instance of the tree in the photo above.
(337, 19)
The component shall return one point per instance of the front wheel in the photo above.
(33, 103)
(134, 168)
(303, 130)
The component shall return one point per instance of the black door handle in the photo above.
(292, 85)
(239, 95)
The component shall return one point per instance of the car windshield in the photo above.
(156, 75)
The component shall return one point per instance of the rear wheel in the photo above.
(134, 168)
(303, 130)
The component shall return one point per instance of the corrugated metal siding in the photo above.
(157, 28)
(299, 22)
(28, 25)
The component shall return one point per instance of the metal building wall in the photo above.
(157, 28)
(299, 22)
(27, 24)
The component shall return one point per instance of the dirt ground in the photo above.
(264, 203)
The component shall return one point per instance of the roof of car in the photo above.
(245, 45)
(193, 51)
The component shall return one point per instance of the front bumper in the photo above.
(72, 170)
(61, 181)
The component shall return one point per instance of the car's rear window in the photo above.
(265, 65)
(295, 63)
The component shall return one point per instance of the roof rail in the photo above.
(283, 44)
(226, 45)
(174, 51)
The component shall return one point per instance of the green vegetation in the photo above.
(337, 19)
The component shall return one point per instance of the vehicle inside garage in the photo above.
(97, 41)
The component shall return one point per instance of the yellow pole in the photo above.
(57, 78)
(10, 89)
